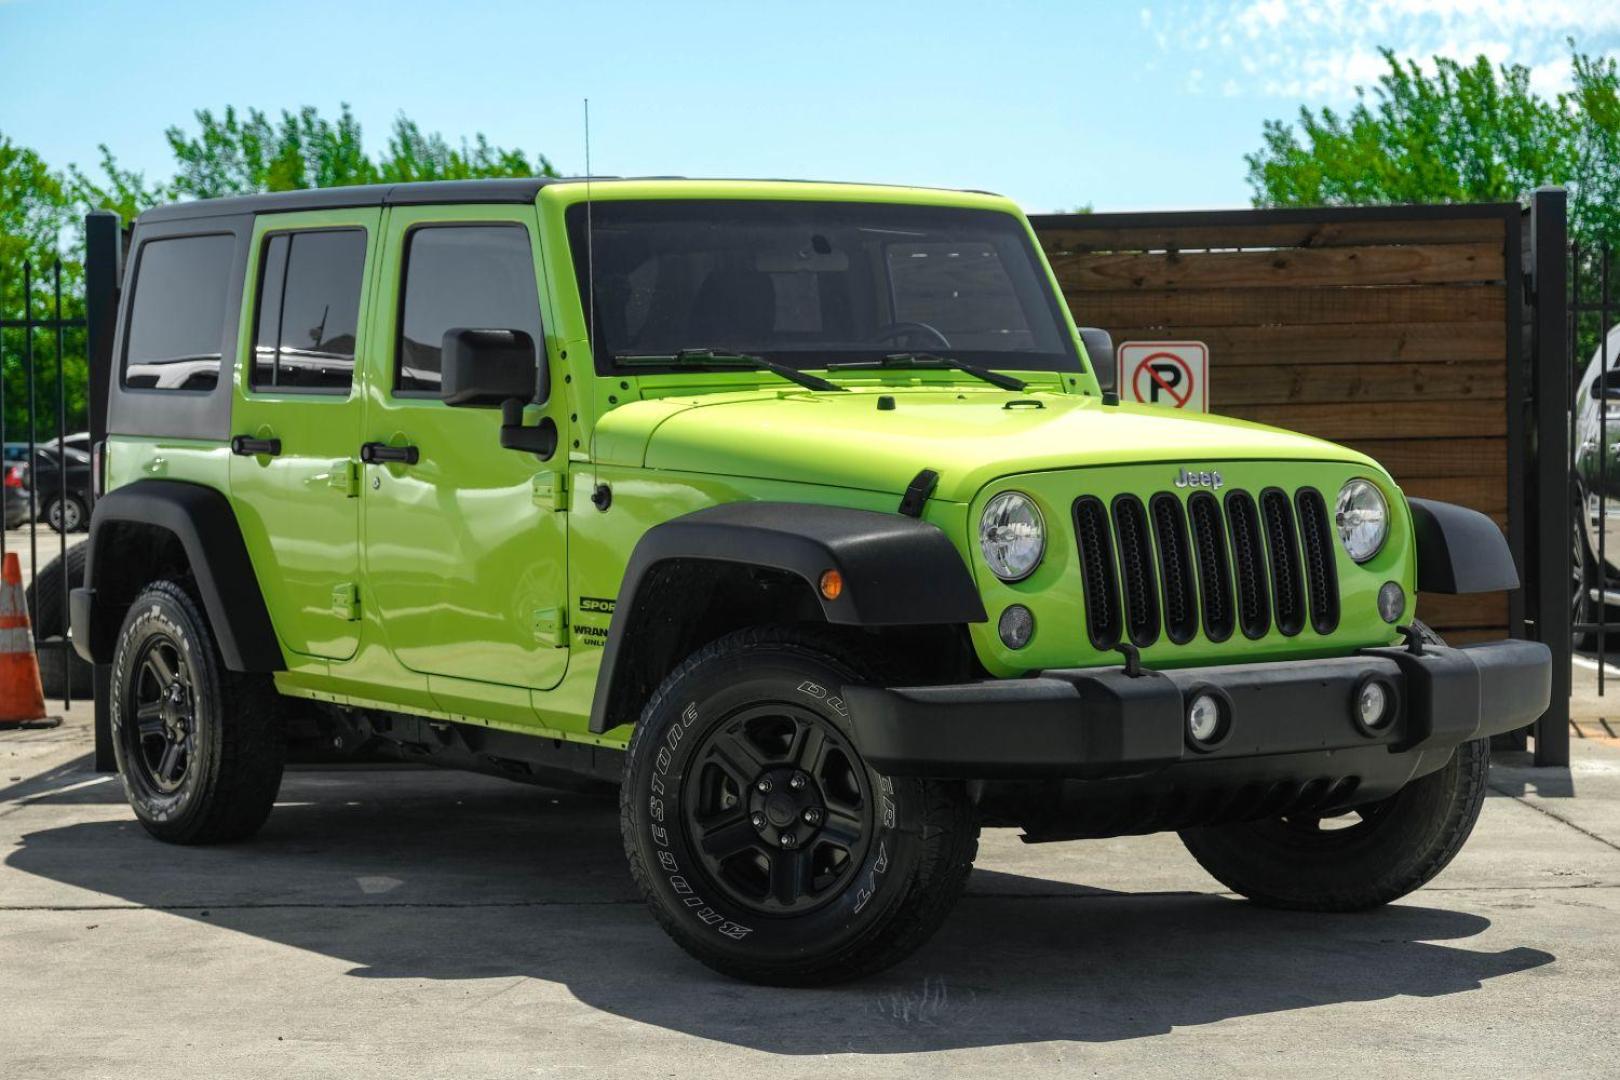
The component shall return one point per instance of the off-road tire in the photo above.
(47, 612)
(233, 767)
(915, 864)
(1398, 846)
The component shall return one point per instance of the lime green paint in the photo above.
(300, 512)
(470, 566)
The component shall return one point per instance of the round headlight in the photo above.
(1012, 536)
(1363, 519)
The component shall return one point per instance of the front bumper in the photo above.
(1101, 722)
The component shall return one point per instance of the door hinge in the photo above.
(345, 477)
(346, 601)
(550, 490)
(550, 627)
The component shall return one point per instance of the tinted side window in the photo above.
(474, 276)
(309, 310)
(177, 317)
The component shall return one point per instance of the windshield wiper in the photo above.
(728, 358)
(932, 360)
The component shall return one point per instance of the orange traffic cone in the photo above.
(22, 698)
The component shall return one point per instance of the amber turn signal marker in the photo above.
(832, 584)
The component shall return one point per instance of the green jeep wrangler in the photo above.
(798, 511)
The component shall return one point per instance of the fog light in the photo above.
(1206, 720)
(1016, 626)
(1391, 601)
(1373, 703)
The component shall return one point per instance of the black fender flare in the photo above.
(202, 520)
(1459, 550)
(897, 570)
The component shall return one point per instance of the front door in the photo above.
(295, 422)
(466, 567)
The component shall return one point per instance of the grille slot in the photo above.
(1097, 572)
(1136, 570)
(1321, 581)
(1282, 544)
(1214, 571)
(1248, 564)
(1175, 568)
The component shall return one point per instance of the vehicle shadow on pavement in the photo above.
(437, 876)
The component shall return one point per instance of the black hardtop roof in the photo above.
(422, 193)
(503, 190)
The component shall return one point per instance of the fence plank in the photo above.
(1328, 343)
(1437, 458)
(1058, 235)
(1377, 304)
(1417, 264)
(1409, 419)
(1266, 384)
(1471, 609)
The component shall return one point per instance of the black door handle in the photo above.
(249, 447)
(375, 453)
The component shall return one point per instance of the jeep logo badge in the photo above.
(1207, 478)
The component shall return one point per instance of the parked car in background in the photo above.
(14, 482)
(1596, 489)
(64, 506)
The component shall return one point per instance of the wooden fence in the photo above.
(1392, 330)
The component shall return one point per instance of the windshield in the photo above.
(814, 283)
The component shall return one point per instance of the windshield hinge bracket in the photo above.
(917, 493)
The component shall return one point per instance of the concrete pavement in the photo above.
(432, 924)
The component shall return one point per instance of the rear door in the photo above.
(296, 422)
(465, 565)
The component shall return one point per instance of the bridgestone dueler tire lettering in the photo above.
(914, 867)
(231, 784)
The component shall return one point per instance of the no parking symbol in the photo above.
(1174, 374)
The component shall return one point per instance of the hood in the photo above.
(968, 436)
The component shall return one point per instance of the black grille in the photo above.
(1175, 568)
(1282, 544)
(1209, 565)
(1317, 542)
(1136, 570)
(1248, 564)
(1097, 572)
(1214, 572)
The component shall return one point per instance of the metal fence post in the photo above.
(103, 261)
(1549, 498)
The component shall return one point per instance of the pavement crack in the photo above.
(1521, 800)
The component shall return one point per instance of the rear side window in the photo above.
(463, 276)
(308, 311)
(177, 316)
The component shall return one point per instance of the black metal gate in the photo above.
(47, 328)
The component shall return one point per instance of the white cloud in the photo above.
(1323, 49)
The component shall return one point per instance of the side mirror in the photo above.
(1607, 385)
(1100, 351)
(489, 367)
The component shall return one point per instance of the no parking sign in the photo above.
(1169, 373)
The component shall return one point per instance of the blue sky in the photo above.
(1139, 105)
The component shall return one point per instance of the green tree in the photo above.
(37, 211)
(1463, 133)
(240, 153)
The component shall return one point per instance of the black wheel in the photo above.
(1584, 577)
(763, 842)
(1361, 859)
(200, 749)
(66, 513)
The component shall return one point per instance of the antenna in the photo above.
(590, 252)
